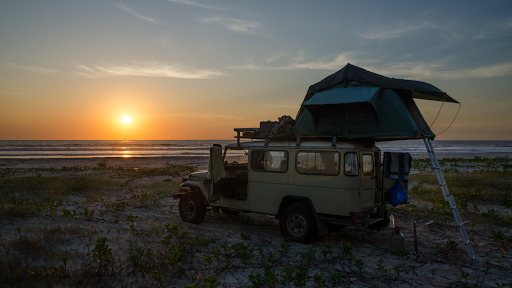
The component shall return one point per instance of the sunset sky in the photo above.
(196, 69)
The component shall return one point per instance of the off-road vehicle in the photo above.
(323, 170)
(311, 186)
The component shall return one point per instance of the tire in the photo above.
(298, 223)
(192, 208)
(229, 212)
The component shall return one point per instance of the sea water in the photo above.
(162, 148)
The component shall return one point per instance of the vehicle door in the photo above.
(216, 174)
(387, 168)
(368, 179)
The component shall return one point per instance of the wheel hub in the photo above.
(190, 209)
(296, 225)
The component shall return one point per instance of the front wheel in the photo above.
(192, 208)
(298, 223)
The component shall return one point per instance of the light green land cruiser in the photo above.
(311, 186)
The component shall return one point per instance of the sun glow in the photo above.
(126, 119)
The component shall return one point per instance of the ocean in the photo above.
(159, 148)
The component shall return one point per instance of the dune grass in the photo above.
(473, 191)
(79, 204)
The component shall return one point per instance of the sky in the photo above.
(196, 69)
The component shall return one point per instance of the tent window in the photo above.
(318, 163)
(367, 165)
(351, 164)
(269, 161)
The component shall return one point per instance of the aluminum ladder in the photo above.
(449, 198)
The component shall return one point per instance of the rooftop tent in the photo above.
(420, 90)
(354, 103)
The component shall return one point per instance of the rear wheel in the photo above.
(229, 212)
(192, 208)
(298, 223)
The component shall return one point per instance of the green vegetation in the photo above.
(459, 165)
(88, 211)
(476, 184)
(22, 195)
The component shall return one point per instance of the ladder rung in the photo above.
(461, 224)
(448, 197)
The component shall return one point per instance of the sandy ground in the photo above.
(435, 266)
(197, 161)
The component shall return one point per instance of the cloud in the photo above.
(494, 30)
(137, 15)
(275, 57)
(402, 28)
(237, 25)
(341, 60)
(386, 33)
(298, 62)
(209, 116)
(404, 69)
(190, 3)
(34, 69)
(424, 70)
(145, 69)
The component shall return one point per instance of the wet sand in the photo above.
(196, 161)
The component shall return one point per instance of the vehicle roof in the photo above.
(303, 144)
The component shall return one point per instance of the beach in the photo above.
(200, 162)
(72, 207)
(196, 161)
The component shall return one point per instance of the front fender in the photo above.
(198, 185)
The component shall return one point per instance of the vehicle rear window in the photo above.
(270, 161)
(319, 163)
(367, 160)
(351, 164)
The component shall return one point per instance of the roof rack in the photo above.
(250, 133)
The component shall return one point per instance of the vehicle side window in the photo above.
(270, 161)
(351, 164)
(367, 160)
(319, 163)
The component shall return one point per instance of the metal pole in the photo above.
(415, 240)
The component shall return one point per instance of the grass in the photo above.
(116, 246)
(476, 187)
(24, 195)
(37, 256)
(472, 192)
(462, 164)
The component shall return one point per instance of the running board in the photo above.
(371, 221)
(360, 222)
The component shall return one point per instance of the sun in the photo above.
(126, 119)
